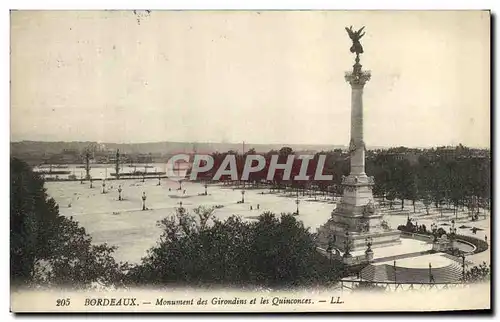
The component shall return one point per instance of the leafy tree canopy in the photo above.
(200, 250)
(47, 248)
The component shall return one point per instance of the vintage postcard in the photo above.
(250, 161)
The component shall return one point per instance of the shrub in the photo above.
(481, 273)
(480, 244)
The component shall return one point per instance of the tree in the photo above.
(404, 181)
(272, 252)
(426, 200)
(412, 192)
(47, 248)
(390, 196)
(285, 151)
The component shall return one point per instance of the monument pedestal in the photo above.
(357, 219)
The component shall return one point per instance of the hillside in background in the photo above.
(37, 149)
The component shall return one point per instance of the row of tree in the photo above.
(460, 180)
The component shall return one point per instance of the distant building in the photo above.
(410, 156)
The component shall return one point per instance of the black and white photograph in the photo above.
(250, 161)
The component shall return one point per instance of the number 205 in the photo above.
(62, 302)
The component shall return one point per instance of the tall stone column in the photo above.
(357, 78)
(356, 222)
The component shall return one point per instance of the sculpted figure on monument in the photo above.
(363, 227)
(369, 209)
(352, 146)
(355, 37)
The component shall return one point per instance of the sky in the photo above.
(258, 77)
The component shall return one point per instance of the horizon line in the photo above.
(249, 144)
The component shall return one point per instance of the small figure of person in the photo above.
(432, 279)
(169, 189)
(258, 206)
(184, 192)
(251, 208)
(486, 239)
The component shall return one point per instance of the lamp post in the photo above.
(120, 193)
(297, 202)
(91, 183)
(369, 251)
(104, 186)
(329, 250)
(369, 243)
(242, 196)
(143, 200)
(463, 267)
(206, 189)
(453, 229)
(431, 279)
(159, 180)
(434, 231)
(394, 274)
(347, 245)
(453, 233)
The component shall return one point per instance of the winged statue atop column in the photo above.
(355, 37)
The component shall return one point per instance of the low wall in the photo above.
(422, 237)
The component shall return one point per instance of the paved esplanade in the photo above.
(356, 221)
